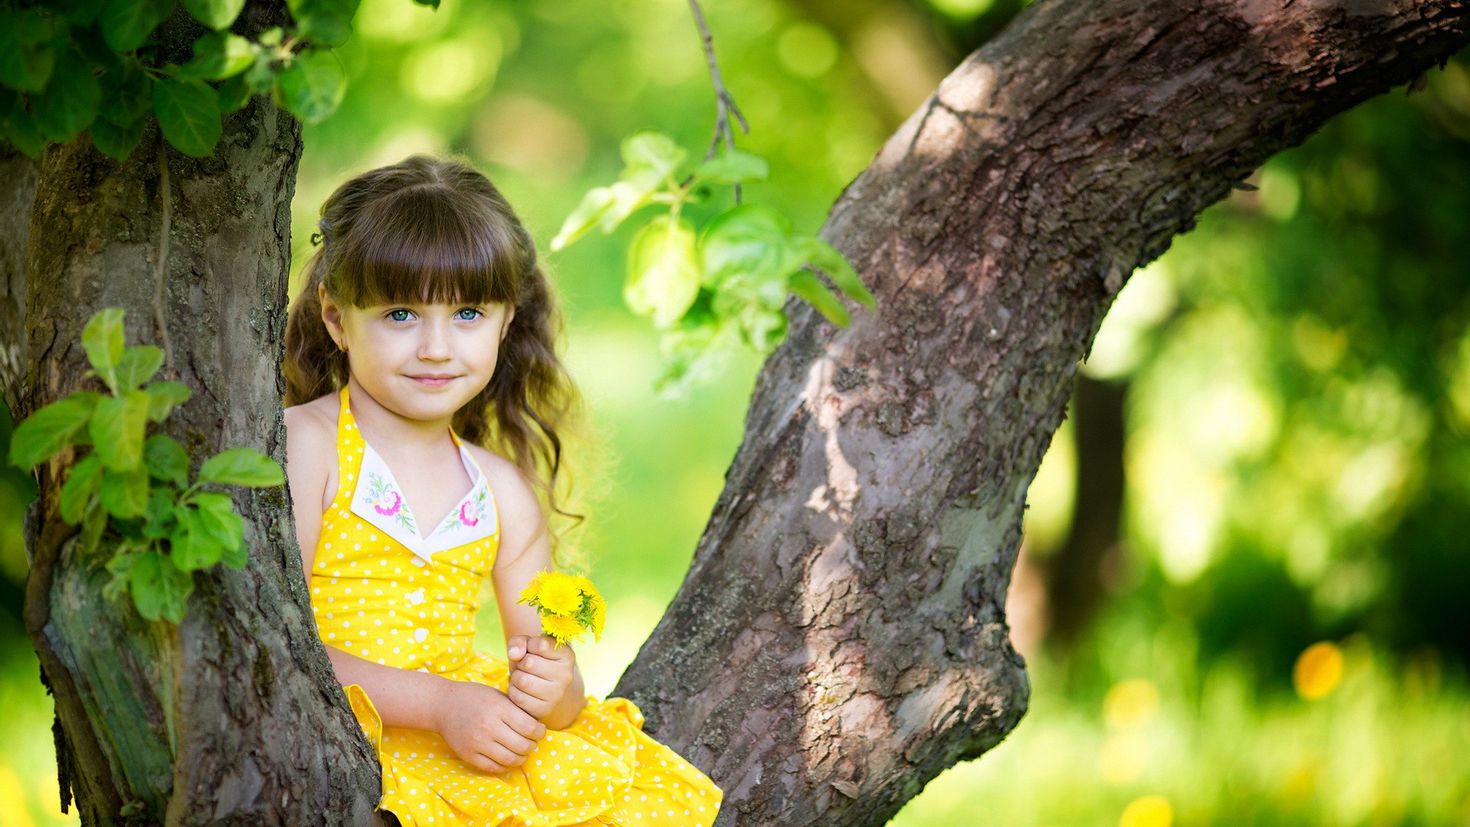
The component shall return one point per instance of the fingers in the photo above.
(516, 646)
(499, 753)
(484, 764)
(517, 745)
(528, 704)
(525, 725)
(534, 684)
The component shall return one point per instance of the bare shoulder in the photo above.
(521, 517)
(311, 439)
(319, 414)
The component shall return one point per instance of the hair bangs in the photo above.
(424, 245)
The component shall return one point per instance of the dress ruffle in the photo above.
(581, 775)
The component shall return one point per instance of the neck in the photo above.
(386, 430)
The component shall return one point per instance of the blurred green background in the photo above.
(1241, 593)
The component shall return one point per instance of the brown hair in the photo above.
(436, 230)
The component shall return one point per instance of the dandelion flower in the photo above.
(560, 627)
(559, 594)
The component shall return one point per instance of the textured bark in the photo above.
(234, 717)
(840, 637)
(17, 193)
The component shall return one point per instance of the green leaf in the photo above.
(242, 466)
(159, 517)
(45, 433)
(762, 327)
(160, 589)
(219, 55)
(102, 338)
(26, 59)
(233, 94)
(21, 130)
(323, 22)
(127, 23)
(70, 100)
(80, 485)
(663, 270)
(216, 14)
(653, 151)
(810, 287)
(127, 93)
(835, 265)
(691, 354)
(236, 557)
(732, 166)
(217, 518)
(138, 364)
(163, 397)
(125, 493)
(190, 545)
(78, 12)
(312, 86)
(188, 113)
(586, 215)
(117, 429)
(117, 142)
(166, 460)
(93, 522)
(751, 240)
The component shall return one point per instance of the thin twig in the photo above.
(162, 264)
(724, 103)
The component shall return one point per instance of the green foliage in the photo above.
(94, 67)
(727, 282)
(138, 484)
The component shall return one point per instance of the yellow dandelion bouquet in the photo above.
(569, 605)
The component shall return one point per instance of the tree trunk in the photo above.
(17, 194)
(234, 717)
(840, 637)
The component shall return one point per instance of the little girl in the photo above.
(426, 327)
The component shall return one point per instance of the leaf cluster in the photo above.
(95, 66)
(134, 487)
(705, 288)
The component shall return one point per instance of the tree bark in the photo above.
(234, 717)
(840, 637)
(17, 194)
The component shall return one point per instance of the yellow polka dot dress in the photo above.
(385, 590)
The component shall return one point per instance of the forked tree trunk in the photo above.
(840, 638)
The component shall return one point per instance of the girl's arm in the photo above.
(402, 697)
(525, 549)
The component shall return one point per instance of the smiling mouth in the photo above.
(432, 378)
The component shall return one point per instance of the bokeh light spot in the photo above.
(1318, 670)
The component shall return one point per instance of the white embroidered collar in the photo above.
(379, 500)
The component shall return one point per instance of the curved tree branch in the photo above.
(840, 638)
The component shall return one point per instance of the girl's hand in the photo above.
(485, 728)
(541, 673)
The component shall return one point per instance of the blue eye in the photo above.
(393, 314)
(477, 314)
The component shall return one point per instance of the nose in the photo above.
(434, 344)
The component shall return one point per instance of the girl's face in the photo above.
(421, 361)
